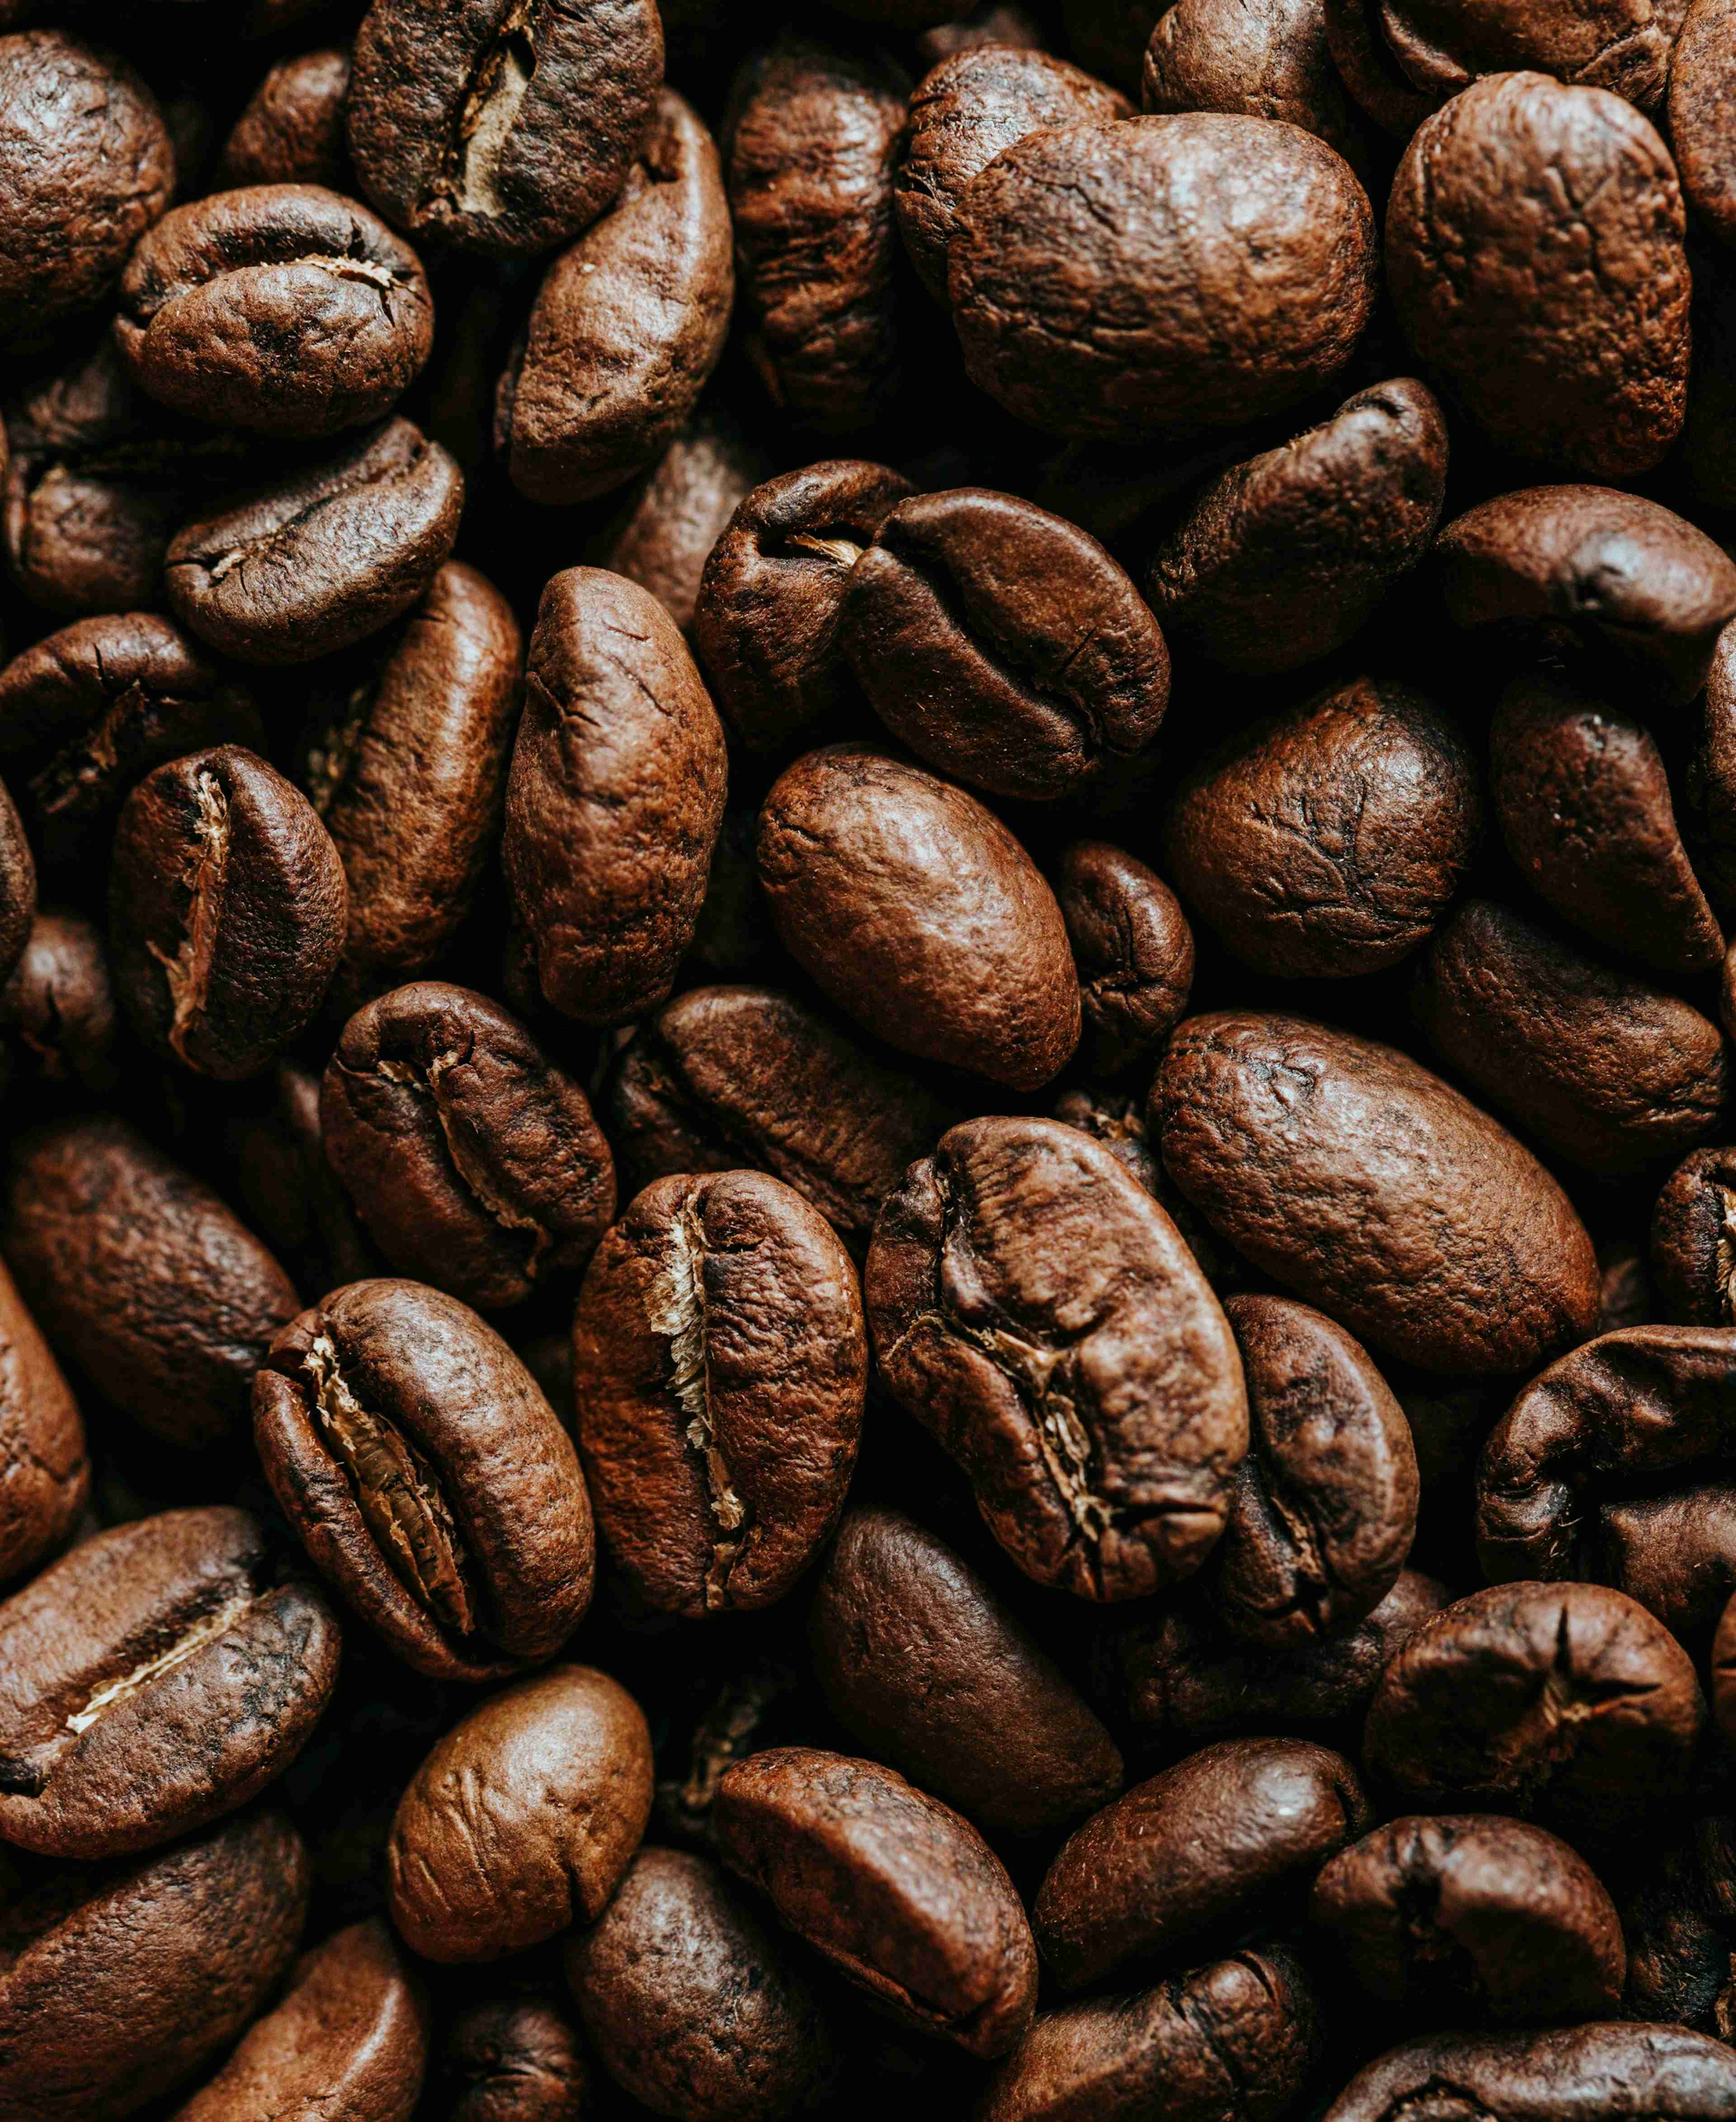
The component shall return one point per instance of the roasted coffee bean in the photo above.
(1709, 785)
(1628, 1298)
(511, 2059)
(1263, 224)
(349, 2038)
(157, 1677)
(1038, 1311)
(1488, 200)
(809, 157)
(17, 886)
(1365, 62)
(88, 166)
(628, 325)
(291, 130)
(1466, 1917)
(1458, 1252)
(1604, 1069)
(1269, 60)
(917, 911)
(1133, 948)
(1619, 45)
(989, 22)
(562, 1762)
(1002, 645)
(1564, 1702)
(1631, 583)
(961, 115)
(1280, 560)
(1700, 111)
(119, 1983)
(88, 711)
(427, 1479)
(1675, 1553)
(506, 127)
(1693, 1239)
(1583, 802)
(1231, 1832)
(1243, 2034)
(1678, 1914)
(720, 1366)
(1329, 840)
(1723, 1674)
(474, 1162)
(921, 1663)
(283, 309)
(321, 558)
(227, 911)
(890, 1887)
(1619, 2072)
(46, 1481)
(696, 2008)
(614, 798)
(288, 1189)
(765, 624)
(141, 1276)
(727, 1077)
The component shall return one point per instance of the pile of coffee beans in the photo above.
(867, 1187)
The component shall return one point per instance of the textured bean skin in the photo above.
(292, 131)
(1618, 2072)
(1134, 950)
(1700, 113)
(512, 2059)
(1269, 60)
(45, 1468)
(1615, 45)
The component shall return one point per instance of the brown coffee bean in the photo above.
(1280, 560)
(512, 2059)
(1620, 2073)
(916, 910)
(120, 1983)
(1607, 1071)
(141, 1274)
(1467, 1917)
(1004, 645)
(613, 799)
(1263, 224)
(1633, 583)
(285, 309)
(1269, 60)
(289, 1190)
(720, 1365)
(628, 325)
(474, 1160)
(974, 103)
(226, 911)
(1231, 1832)
(1623, 46)
(1329, 840)
(350, 2038)
(1567, 1703)
(157, 1677)
(46, 1482)
(1676, 1554)
(562, 1765)
(1365, 62)
(323, 557)
(989, 22)
(1709, 786)
(291, 129)
(503, 128)
(1693, 1239)
(896, 1892)
(1134, 950)
(1700, 110)
(1459, 1253)
(1037, 1311)
(1676, 1915)
(1628, 1298)
(1488, 257)
(697, 2009)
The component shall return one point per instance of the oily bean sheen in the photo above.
(560, 1769)
(1329, 840)
(1216, 269)
(320, 558)
(227, 911)
(1272, 60)
(141, 1274)
(157, 1677)
(613, 799)
(1466, 1916)
(1371, 1189)
(349, 2039)
(1700, 110)
(917, 911)
(920, 1661)
(720, 1365)
(1618, 2072)
(627, 326)
(1239, 2036)
(1208, 1845)
(1619, 45)
(1529, 310)
(283, 309)
(119, 1983)
(697, 2008)
(504, 126)
(474, 1162)
(1693, 1239)
(45, 1468)
(1564, 1702)
(1133, 948)
(1004, 645)
(1037, 1309)
(512, 2058)
(292, 131)
(1280, 560)
(427, 1479)
(890, 1887)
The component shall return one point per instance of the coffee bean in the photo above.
(1700, 110)
(1709, 785)
(1676, 1915)
(1365, 61)
(1693, 1239)
(1269, 60)
(42, 1442)
(288, 1189)
(1622, 2072)
(1603, 44)
(1134, 950)
(291, 130)
(1675, 1554)
(989, 22)
(1724, 1672)
(511, 2059)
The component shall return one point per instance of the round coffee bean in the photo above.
(1693, 1239)
(1268, 61)
(46, 1484)
(1701, 109)
(1619, 45)
(511, 2059)
(1675, 1553)
(291, 130)
(897, 1893)
(1620, 2073)
(1134, 950)
(989, 22)
(562, 1764)
(1709, 785)
(428, 1477)
(1365, 62)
